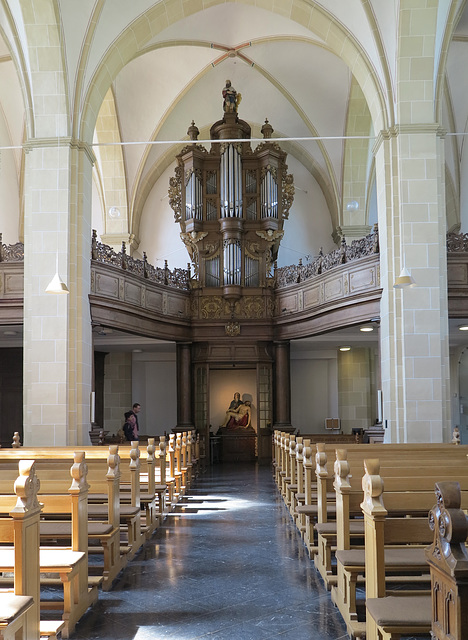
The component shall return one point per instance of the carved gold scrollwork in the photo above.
(252, 249)
(175, 193)
(232, 329)
(270, 307)
(187, 176)
(287, 194)
(211, 307)
(253, 307)
(191, 147)
(194, 308)
(211, 250)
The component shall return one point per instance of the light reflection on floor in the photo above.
(228, 564)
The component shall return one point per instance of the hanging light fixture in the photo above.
(57, 285)
(404, 280)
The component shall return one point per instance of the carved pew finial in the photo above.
(113, 462)
(78, 472)
(450, 527)
(341, 469)
(16, 444)
(372, 485)
(448, 560)
(26, 487)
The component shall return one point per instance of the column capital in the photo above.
(62, 141)
(408, 129)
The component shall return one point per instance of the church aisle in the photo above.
(227, 564)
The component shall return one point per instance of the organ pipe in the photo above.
(231, 183)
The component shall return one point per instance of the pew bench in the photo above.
(70, 565)
(388, 616)
(406, 561)
(13, 610)
(53, 468)
(348, 491)
(125, 518)
(19, 606)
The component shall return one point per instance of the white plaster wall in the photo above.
(224, 383)
(97, 219)
(154, 386)
(464, 192)
(9, 212)
(309, 226)
(314, 389)
(158, 233)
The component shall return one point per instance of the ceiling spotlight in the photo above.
(137, 350)
(366, 329)
(13, 333)
(345, 348)
(463, 327)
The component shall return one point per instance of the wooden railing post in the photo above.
(79, 514)
(374, 523)
(151, 463)
(342, 488)
(321, 473)
(26, 531)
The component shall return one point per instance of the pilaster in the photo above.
(414, 321)
(57, 328)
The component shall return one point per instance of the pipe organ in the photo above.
(231, 202)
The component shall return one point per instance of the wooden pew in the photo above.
(387, 617)
(448, 561)
(404, 495)
(19, 609)
(130, 497)
(326, 531)
(106, 518)
(106, 531)
(316, 507)
(70, 564)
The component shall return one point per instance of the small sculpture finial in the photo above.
(231, 98)
(193, 131)
(267, 129)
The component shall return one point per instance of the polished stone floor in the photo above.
(227, 564)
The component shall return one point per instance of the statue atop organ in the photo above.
(231, 203)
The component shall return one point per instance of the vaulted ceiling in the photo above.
(139, 72)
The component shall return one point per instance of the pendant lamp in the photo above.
(57, 285)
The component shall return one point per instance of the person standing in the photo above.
(130, 428)
(136, 410)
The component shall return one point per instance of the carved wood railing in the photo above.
(178, 278)
(328, 290)
(367, 246)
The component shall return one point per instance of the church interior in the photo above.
(250, 218)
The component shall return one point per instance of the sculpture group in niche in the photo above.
(238, 415)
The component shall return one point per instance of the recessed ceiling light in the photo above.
(365, 329)
(463, 327)
(137, 350)
(9, 333)
(345, 348)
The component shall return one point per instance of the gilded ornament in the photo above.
(232, 329)
(211, 307)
